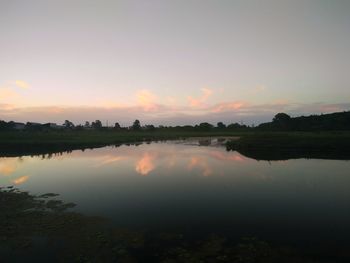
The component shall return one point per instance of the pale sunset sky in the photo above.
(172, 62)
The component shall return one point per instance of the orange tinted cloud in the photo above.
(146, 100)
(227, 106)
(21, 84)
(160, 113)
(6, 93)
(199, 102)
(146, 164)
(258, 89)
(6, 107)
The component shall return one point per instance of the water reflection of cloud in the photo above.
(146, 164)
(110, 159)
(8, 166)
(20, 180)
(145, 158)
(201, 163)
(172, 161)
(222, 156)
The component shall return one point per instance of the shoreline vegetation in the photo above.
(293, 145)
(27, 143)
(283, 138)
(45, 228)
(256, 145)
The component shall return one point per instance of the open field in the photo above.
(99, 137)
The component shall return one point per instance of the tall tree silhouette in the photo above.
(136, 125)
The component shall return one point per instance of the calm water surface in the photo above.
(197, 189)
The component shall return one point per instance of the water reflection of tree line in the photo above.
(259, 147)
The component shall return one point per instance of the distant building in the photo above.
(33, 124)
(19, 126)
(55, 126)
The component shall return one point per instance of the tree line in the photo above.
(97, 125)
(280, 122)
(324, 122)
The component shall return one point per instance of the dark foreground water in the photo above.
(184, 200)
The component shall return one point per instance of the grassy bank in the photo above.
(287, 145)
(30, 142)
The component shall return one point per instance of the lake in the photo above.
(199, 191)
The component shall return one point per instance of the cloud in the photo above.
(7, 93)
(21, 84)
(200, 102)
(227, 106)
(171, 100)
(147, 100)
(161, 114)
(257, 89)
(4, 108)
(10, 93)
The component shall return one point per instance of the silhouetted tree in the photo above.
(79, 127)
(281, 118)
(96, 124)
(221, 125)
(136, 125)
(117, 126)
(282, 121)
(205, 126)
(234, 126)
(4, 126)
(68, 124)
(150, 127)
(87, 124)
(323, 122)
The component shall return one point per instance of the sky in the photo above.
(173, 62)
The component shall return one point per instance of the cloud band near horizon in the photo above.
(160, 114)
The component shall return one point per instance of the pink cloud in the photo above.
(147, 100)
(6, 107)
(227, 106)
(7, 93)
(165, 114)
(21, 84)
(257, 89)
(199, 102)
